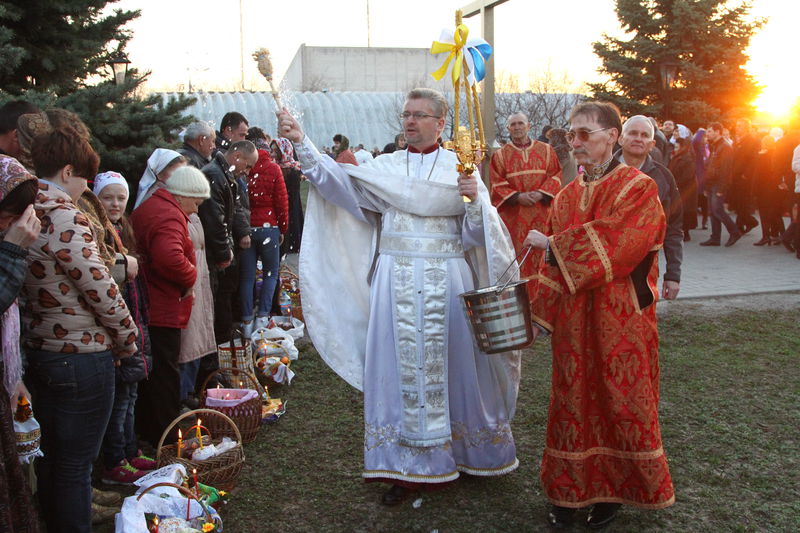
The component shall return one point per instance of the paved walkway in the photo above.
(709, 271)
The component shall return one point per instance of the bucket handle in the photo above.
(527, 252)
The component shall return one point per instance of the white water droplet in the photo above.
(267, 240)
(417, 503)
(231, 168)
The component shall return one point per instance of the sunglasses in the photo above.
(581, 135)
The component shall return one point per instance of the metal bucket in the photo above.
(500, 317)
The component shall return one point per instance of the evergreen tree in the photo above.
(707, 40)
(48, 50)
(62, 42)
(10, 54)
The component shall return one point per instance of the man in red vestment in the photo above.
(525, 176)
(595, 294)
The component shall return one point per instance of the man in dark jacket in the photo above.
(226, 224)
(745, 151)
(232, 129)
(198, 144)
(719, 168)
(638, 138)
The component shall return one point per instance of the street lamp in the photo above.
(669, 74)
(119, 66)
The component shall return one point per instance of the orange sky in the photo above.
(198, 40)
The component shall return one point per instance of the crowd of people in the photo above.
(121, 311)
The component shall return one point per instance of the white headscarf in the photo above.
(158, 161)
(108, 178)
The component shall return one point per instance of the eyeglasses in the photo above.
(582, 135)
(416, 116)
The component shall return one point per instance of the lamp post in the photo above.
(669, 74)
(119, 66)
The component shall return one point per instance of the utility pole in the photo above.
(241, 44)
(369, 41)
(486, 10)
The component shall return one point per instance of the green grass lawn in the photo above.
(729, 416)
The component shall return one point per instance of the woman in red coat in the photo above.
(168, 267)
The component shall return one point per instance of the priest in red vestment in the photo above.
(595, 295)
(525, 176)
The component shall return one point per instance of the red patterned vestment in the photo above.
(515, 170)
(603, 437)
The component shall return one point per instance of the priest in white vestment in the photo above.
(388, 247)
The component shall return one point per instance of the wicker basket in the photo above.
(183, 490)
(290, 283)
(220, 471)
(246, 415)
(238, 354)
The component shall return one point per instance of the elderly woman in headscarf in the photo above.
(341, 150)
(20, 226)
(283, 153)
(160, 166)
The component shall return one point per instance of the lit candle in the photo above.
(199, 434)
(155, 523)
(180, 443)
(196, 493)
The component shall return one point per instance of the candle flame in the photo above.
(180, 435)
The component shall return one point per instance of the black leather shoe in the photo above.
(733, 238)
(602, 514)
(395, 495)
(709, 242)
(560, 517)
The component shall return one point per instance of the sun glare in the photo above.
(770, 62)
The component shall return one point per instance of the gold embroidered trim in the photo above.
(505, 469)
(499, 183)
(633, 296)
(601, 252)
(506, 198)
(399, 475)
(612, 499)
(562, 265)
(544, 323)
(628, 187)
(524, 172)
(601, 450)
(551, 283)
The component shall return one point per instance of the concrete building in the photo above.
(362, 69)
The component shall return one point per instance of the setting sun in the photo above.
(769, 63)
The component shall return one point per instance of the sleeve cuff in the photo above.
(474, 211)
(307, 154)
(13, 249)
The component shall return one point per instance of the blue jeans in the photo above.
(120, 440)
(719, 216)
(264, 245)
(73, 395)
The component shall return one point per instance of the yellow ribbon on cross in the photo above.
(456, 49)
